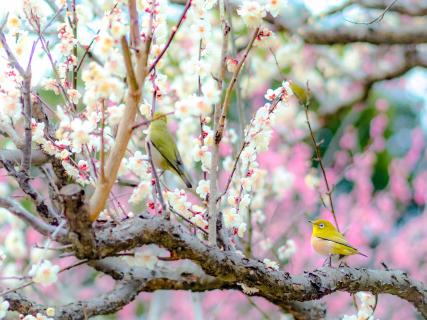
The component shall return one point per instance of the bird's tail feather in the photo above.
(186, 181)
(184, 176)
(362, 254)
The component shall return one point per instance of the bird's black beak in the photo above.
(311, 221)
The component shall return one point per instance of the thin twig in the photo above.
(263, 313)
(172, 35)
(230, 177)
(187, 220)
(240, 107)
(319, 158)
(221, 126)
(166, 213)
(377, 19)
(214, 168)
(102, 151)
(74, 24)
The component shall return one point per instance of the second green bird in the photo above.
(164, 152)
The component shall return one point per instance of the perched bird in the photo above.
(164, 152)
(327, 240)
(301, 93)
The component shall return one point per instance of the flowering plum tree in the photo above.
(280, 115)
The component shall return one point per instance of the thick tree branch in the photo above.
(273, 285)
(123, 293)
(361, 33)
(80, 226)
(38, 157)
(196, 280)
(411, 59)
(214, 168)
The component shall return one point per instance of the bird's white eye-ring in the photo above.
(321, 226)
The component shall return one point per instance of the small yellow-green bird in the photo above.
(165, 154)
(299, 92)
(327, 240)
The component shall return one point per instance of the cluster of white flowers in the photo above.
(67, 40)
(44, 273)
(252, 12)
(287, 251)
(179, 202)
(283, 180)
(10, 97)
(366, 307)
(34, 11)
(4, 306)
(146, 257)
(249, 176)
(271, 264)
(141, 192)
(248, 290)
(38, 316)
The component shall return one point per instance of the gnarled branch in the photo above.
(273, 285)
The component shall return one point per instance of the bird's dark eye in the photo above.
(321, 226)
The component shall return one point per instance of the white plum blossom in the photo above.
(286, 251)
(252, 13)
(139, 165)
(203, 188)
(199, 221)
(44, 273)
(202, 153)
(231, 64)
(228, 164)
(141, 192)
(266, 244)
(183, 108)
(241, 230)
(2, 257)
(201, 105)
(201, 28)
(259, 217)
(366, 307)
(115, 113)
(80, 133)
(231, 218)
(145, 109)
(312, 180)
(50, 312)
(283, 180)
(275, 6)
(248, 290)
(271, 264)
(284, 91)
(179, 202)
(211, 92)
(144, 257)
(4, 307)
(74, 95)
(15, 244)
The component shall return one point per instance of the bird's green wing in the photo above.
(339, 238)
(163, 141)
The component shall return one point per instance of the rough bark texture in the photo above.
(272, 285)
